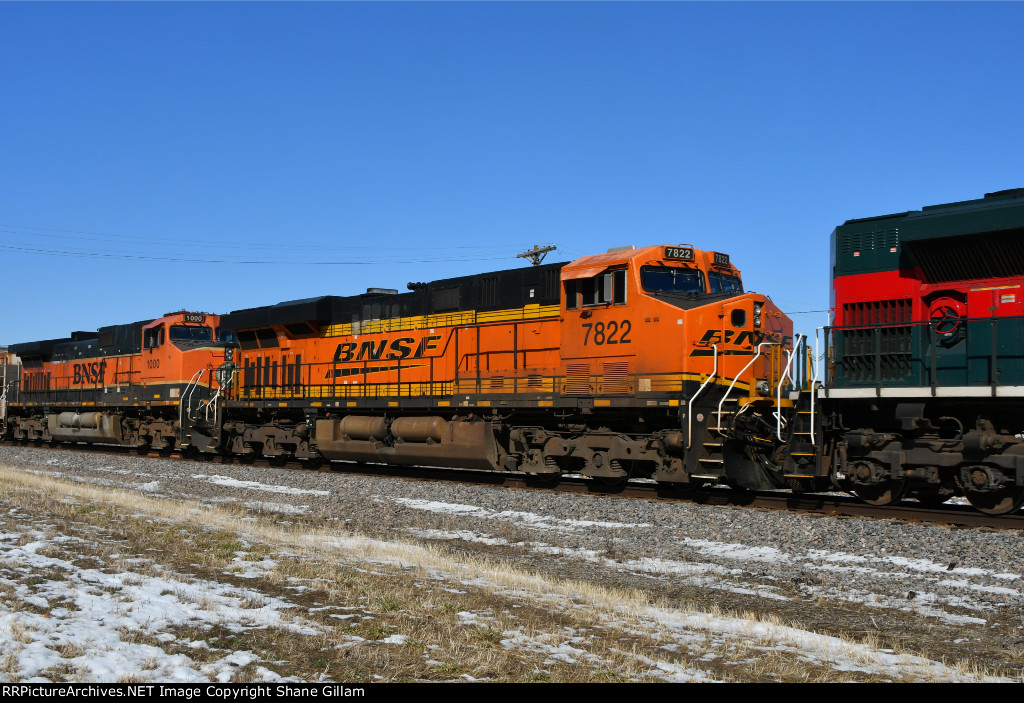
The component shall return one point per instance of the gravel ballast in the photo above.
(938, 591)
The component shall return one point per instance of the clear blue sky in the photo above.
(414, 141)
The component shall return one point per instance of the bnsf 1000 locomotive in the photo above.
(650, 362)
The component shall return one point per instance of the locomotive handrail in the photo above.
(733, 384)
(778, 391)
(212, 402)
(863, 355)
(189, 392)
(3, 396)
(689, 407)
(815, 381)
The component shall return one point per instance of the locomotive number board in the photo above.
(721, 259)
(682, 253)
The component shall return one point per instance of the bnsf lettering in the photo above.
(752, 337)
(401, 348)
(89, 373)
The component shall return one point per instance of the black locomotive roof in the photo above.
(967, 240)
(41, 348)
(108, 341)
(999, 211)
(486, 291)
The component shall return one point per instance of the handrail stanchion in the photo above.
(689, 407)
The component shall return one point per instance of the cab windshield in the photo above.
(671, 279)
(719, 282)
(182, 333)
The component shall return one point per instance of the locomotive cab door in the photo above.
(155, 356)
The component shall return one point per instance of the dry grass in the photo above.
(458, 618)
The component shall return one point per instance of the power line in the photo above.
(252, 262)
(24, 230)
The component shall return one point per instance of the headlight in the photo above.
(757, 314)
(229, 354)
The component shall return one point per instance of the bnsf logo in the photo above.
(401, 348)
(89, 373)
(754, 337)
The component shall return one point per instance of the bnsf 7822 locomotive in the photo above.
(650, 362)
(637, 362)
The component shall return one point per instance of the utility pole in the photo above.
(537, 254)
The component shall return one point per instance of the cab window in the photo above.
(603, 289)
(719, 282)
(187, 333)
(671, 279)
(154, 337)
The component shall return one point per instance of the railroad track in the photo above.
(827, 504)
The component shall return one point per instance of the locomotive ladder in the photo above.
(802, 446)
(192, 407)
(728, 408)
(712, 457)
(3, 402)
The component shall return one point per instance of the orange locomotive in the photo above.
(647, 362)
(125, 384)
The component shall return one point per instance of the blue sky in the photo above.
(347, 145)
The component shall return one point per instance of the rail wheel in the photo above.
(883, 493)
(989, 490)
(999, 502)
(872, 484)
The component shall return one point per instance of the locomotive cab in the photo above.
(672, 326)
(174, 349)
(672, 307)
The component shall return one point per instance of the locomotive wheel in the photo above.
(1003, 500)
(884, 493)
(988, 491)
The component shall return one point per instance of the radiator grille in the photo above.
(971, 257)
(577, 379)
(616, 377)
(877, 312)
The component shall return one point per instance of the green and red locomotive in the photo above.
(926, 353)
